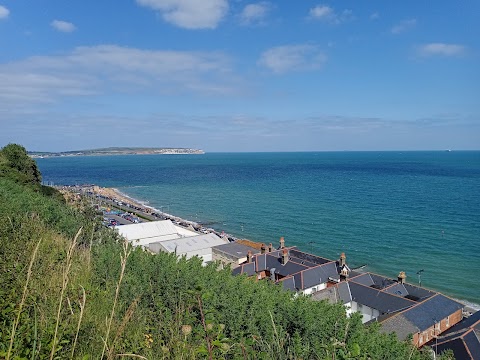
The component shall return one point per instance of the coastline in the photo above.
(117, 195)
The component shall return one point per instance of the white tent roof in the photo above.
(189, 246)
(154, 231)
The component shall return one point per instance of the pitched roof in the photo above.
(432, 310)
(189, 244)
(420, 317)
(234, 249)
(384, 302)
(463, 339)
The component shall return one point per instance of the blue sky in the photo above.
(232, 75)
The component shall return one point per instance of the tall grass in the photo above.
(123, 261)
(66, 271)
(24, 296)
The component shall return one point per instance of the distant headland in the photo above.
(117, 151)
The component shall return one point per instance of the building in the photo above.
(402, 308)
(165, 236)
(145, 233)
(200, 245)
(463, 339)
(293, 269)
(233, 253)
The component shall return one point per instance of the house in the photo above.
(402, 308)
(233, 253)
(463, 339)
(294, 269)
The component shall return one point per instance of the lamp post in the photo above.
(419, 273)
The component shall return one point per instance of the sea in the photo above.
(417, 212)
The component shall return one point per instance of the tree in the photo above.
(24, 168)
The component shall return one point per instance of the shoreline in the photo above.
(116, 194)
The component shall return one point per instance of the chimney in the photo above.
(263, 249)
(282, 242)
(342, 261)
(284, 256)
(343, 274)
(402, 277)
(249, 256)
(270, 247)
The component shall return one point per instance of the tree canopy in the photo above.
(18, 166)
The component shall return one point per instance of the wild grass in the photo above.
(123, 261)
(66, 271)
(22, 301)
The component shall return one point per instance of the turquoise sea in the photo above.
(394, 211)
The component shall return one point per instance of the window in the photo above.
(447, 321)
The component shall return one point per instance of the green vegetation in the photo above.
(70, 288)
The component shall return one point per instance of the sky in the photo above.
(232, 75)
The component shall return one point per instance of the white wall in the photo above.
(315, 288)
(368, 313)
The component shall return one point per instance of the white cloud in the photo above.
(4, 12)
(327, 14)
(63, 26)
(374, 16)
(441, 49)
(287, 58)
(404, 26)
(113, 69)
(190, 14)
(255, 13)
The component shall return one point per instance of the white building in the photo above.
(165, 236)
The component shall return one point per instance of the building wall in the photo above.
(226, 259)
(315, 288)
(419, 339)
(367, 312)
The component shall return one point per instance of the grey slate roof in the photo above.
(373, 280)
(248, 269)
(318, 275)
(421, 317)
(334, 294)
(383, 302)
(235, 249)
(344, 292)
(463, 339)
(433, 309)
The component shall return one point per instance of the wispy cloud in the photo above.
(255, 14)
(113, 69)
(63, 26)
(328, 14)
(404, 26)
(189, 14)
(441, 49)
(4, 12)
(282, 59)
(374, 16)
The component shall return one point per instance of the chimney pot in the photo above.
(263, 249)
(270, 247)
(401, 277)
(282, 242)
(284, 256)
(343, 259)
(249, 256)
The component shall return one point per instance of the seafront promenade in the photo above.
(111, 197)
